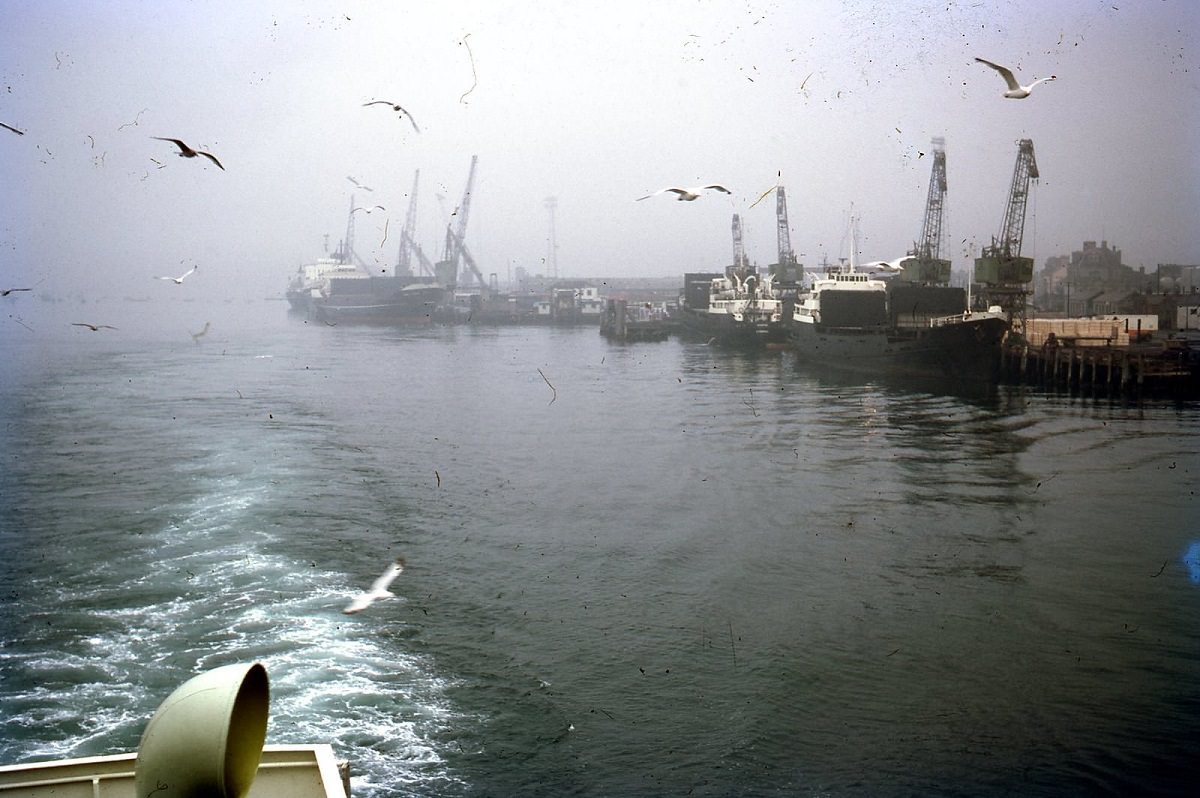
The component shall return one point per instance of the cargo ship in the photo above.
(855, 321)
(363, 298)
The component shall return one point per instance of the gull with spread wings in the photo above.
(687, 194)
(378, 590)
(179, 280)
(187, 152)
(1015, 90)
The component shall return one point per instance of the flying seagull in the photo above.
(8, 291)
(92, 327)
(378, 590)
(187, 152)
(360, 185)
(687, 194)
(179, 280)
(1015, 90)
(396, 108)
(888, 265)
(196, 336)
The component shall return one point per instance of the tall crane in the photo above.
(1001, 270)
(456, 233)
(788, 270)
(925, 263)
(409, 233)
(740, 262)
(345, 253)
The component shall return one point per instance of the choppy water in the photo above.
(657, 569)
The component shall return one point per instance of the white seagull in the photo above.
(1015, 90)
(887, 265)
(179, 280)
(687, 194)
(196, 336)
(378, 589)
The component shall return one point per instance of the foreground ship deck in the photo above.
(285, 771)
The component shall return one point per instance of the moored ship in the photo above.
(738, 309)
(849, 320)
(364, 298)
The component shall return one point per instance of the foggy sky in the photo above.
(595, 104)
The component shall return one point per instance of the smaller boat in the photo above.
(741, 309)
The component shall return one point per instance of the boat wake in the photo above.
(102, 652)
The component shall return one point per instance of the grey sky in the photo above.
(596, 104)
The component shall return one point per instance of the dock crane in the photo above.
(740, 262)
(1003, 274)
(408, 241)
(409, 233)
(787, 271)
(448, 266)
(345, 252)
(924, 263)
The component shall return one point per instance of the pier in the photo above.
(1167, 367)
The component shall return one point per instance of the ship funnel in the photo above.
(207, 738)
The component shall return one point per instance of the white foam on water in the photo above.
(211, 593)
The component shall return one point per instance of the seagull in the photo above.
(368, 210)
(198, 335)
(888, 265)
(8, 291)
(379, 589)
(395, 107)
(687, 194)
(1015, 90)
(179, 280)
(360, 185)
(187, 152)
(92, 327)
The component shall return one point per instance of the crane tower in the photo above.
(408, 234)
(925, 263)
(1001, 270)
(456, 233)
(788, 270)
(740, 262)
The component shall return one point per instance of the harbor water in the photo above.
(633, 570)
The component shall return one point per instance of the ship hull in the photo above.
(723, 330)
(378, 300)
(965, 350)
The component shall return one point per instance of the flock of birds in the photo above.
(379, 588)
(187, 151)
(1015, 92)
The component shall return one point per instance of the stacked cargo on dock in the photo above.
(1077, 332)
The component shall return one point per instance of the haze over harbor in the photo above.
(593, 106)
